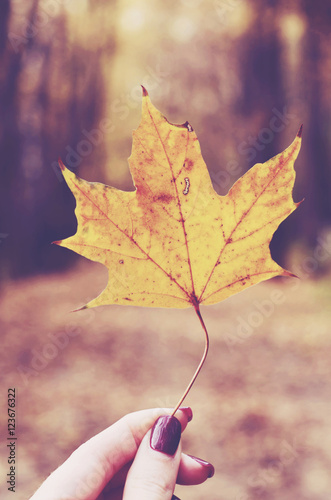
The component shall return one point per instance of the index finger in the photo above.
(87, 471)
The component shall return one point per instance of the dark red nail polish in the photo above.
(207, 465)
(188, 412)
(166, 434)
(174, 497)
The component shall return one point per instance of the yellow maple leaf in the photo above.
(174, 242)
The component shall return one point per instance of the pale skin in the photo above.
(119, 464)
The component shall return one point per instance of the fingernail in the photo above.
(166, 434)
(188, 412)
(207, 465)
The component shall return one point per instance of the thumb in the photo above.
(154, 470)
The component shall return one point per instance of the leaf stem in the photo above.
(197, 310)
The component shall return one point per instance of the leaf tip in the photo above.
(188, 126)
(289, 274)
(79, 309)
(145, 93)
(61, 164)
(299, 134)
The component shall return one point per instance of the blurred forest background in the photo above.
(245, 74)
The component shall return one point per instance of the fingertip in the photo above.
(165, 435)
(194, 470)
(208, 467)
(187, 410)
(156, 463)
(184, 414)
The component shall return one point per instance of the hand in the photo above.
(129, 461)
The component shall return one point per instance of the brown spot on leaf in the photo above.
(164, 198)
(143, 192)
(189, 165)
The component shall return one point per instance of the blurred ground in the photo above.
(261, 404)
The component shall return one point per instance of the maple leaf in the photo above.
(174, 242)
